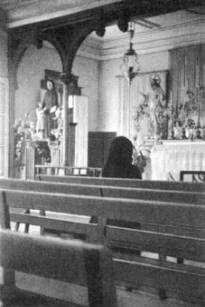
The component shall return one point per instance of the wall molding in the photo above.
(167, 38)
(156, 40)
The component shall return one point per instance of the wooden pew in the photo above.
(190, 196)
(187, 197)
(185, 281)
(69, 261)
(136, 183)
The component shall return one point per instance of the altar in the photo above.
(169, 157)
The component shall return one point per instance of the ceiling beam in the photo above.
(44, 10)
(133, 8)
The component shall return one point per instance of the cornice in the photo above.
(146, 42)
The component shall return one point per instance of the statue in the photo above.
(152, 113)
(158, 108)
(41, 126)
(50, 101)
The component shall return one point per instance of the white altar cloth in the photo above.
(170, 157)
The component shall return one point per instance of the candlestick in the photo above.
(198, 106)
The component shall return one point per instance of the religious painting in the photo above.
(150, 112)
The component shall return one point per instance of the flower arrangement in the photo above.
(141, 157)
(142, 109)
(42, 152)
(57, 134)
(24, 131)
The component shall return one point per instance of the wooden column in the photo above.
(65, 126)
(4, 102)
(124, 107)
(70, 87)
(29, 160)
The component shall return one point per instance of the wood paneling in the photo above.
(98, 147)
(187, 72)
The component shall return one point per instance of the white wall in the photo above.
(154, 61)
(4, 103)
(108, 95)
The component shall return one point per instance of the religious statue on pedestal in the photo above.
(158, 108)
(45, 112)
(41, 127)
(50, 101)
(151, 110)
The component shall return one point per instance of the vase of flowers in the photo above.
(22, 135)
(190, 129)
(26, 140)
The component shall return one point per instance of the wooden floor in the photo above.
(78, 293)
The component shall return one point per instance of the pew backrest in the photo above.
(164, 214)
(136, 183)
(105, 191)
(69, 261)
(187, 197)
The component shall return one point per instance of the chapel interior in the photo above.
(74, 75)
(102, 103)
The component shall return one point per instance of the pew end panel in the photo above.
(69, 261)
